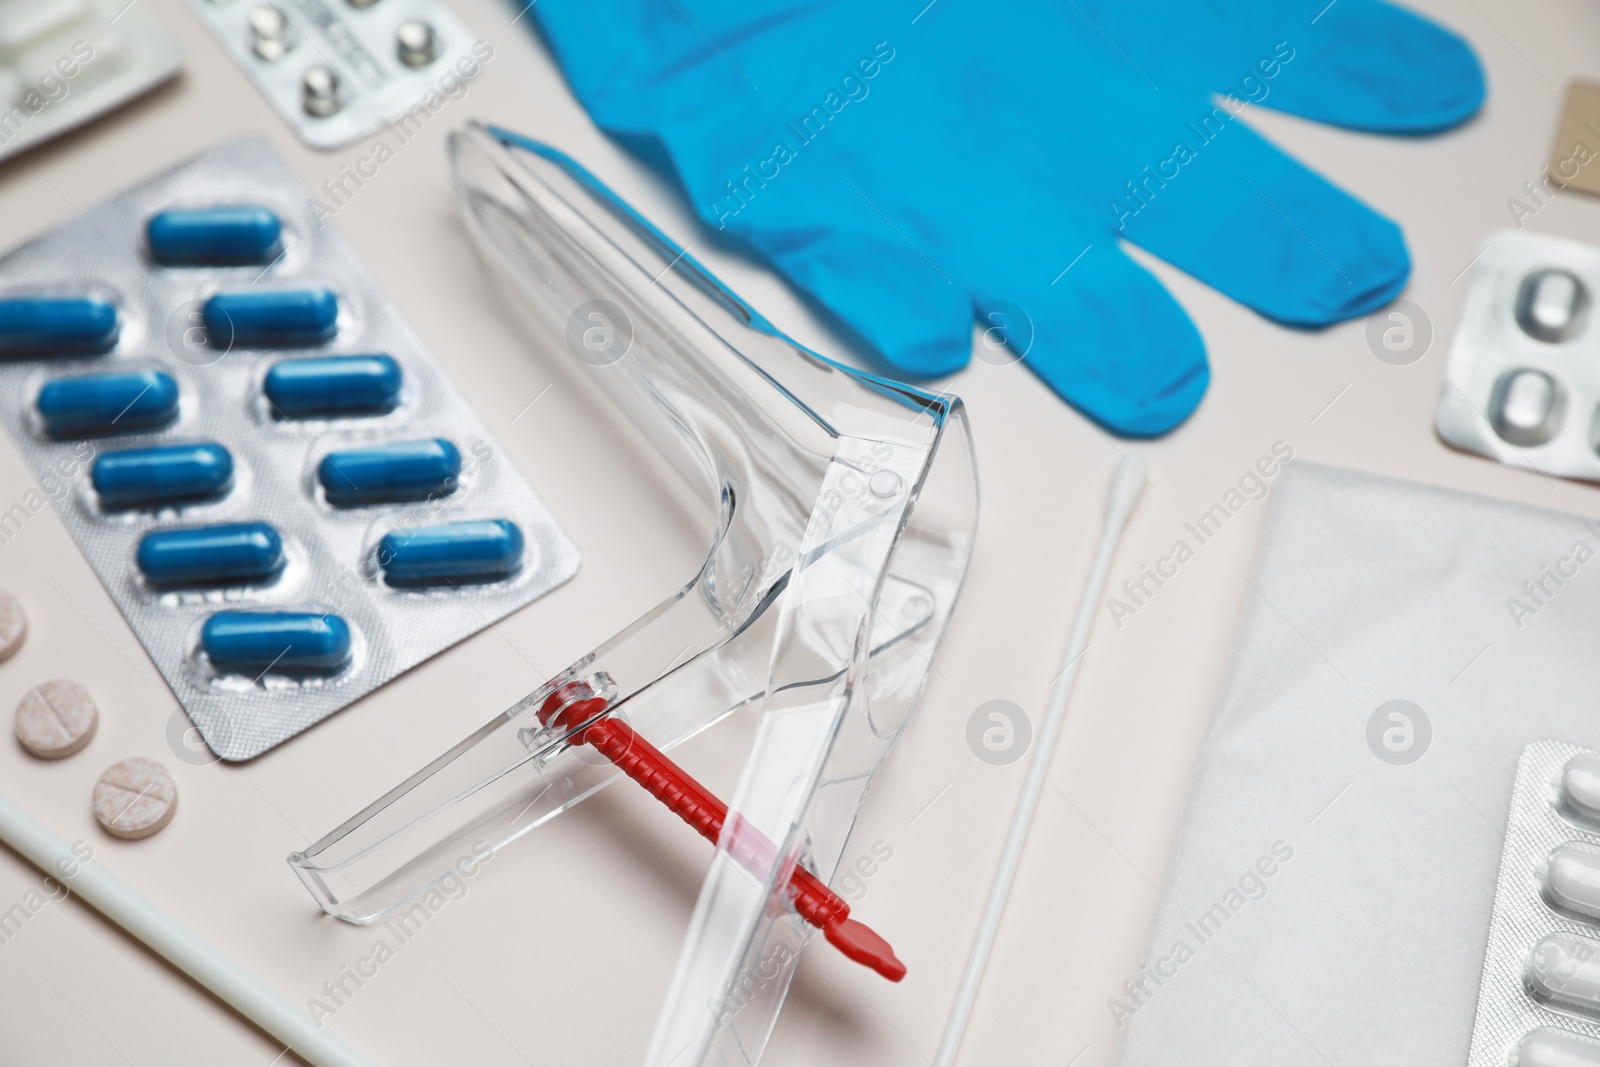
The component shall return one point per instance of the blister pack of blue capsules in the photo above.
(278, 485)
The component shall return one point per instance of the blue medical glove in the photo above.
(1360, 64)
(910, 168)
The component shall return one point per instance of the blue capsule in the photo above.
(208, 555)
(93, 405)
(150, 477)
(402, 470)
(333, 385)
(480, 551)
(284, 642)
(270, 317)
(217, 236)
(46, 325)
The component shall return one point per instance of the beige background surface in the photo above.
(561, 950)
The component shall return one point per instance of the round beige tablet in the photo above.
(13, 625)
(56, 719)
(135, 798)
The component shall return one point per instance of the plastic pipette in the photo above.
(574, 703)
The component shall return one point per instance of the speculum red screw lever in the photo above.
(574, 703)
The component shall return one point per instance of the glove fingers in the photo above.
(1369, 65)
(919, 321)
(1109, 338)
(1106, 336)
(1250, 221)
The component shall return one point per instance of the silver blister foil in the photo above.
(338, 70)
(1523, 381)
(1538, 975)
(330, 552)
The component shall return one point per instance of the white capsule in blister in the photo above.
(1549, 1047)
(270, 34)
(320, 91)
(1580, 786)
(24, 24)
(1539, 1001)
(1564, 971)
(1550, 304)
(1570, 878)
(1526, 407)
(416, 44)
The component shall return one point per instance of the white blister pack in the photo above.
(63, 62)
(337, 70)
(1539, 1003)
(277, 483)
(1523, 381)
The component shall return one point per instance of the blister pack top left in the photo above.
(64, 62)
(279, 486)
